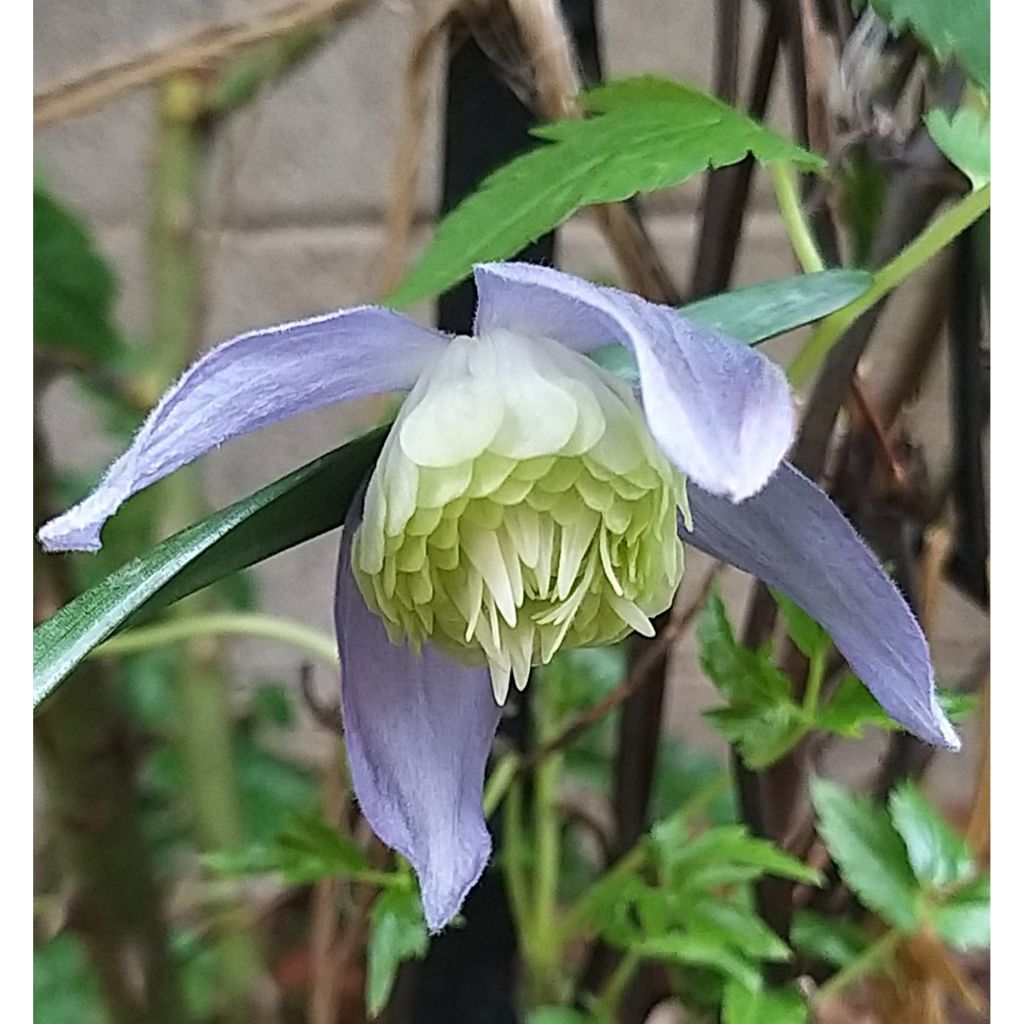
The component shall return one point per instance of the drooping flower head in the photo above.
(520, 505)
(525, 500)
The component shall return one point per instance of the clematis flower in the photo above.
(526, 500)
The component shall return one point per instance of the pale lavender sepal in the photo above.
(794, 538)
(418, 731)
(251, 382)
(721, 411)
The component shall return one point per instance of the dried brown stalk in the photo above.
(203, 50)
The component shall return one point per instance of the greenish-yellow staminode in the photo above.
(519, 505)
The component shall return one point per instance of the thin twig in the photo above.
(327, 715)
(639, 674)
(201, 50)
(323, 998)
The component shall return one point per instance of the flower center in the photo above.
(520, 505)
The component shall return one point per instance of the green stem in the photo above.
(797, 227)
(180, 629)
(513, 860)
(815, 677)
(865, 963)
(499, 781)
(206, 741)
(608, 999)
(931, 241)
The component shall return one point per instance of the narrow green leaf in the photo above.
(869, 852)
(949, 28)
(646, 134)
(701, 950)
(938, 855)
(744, 1005)
(397, 933)
(722, 847)
(73, 286)
(835, 940)
(963, 920)
(964, 140)
(756, 313)
(294, 509)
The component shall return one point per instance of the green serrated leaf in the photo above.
(835, 940)
(965, 141)
(694, 949)
(869, 853)
(74, 289)
(949, 28)
(761, 733)
(306, 850)
(745, 1005)
(810, 638)
(938, 855)
(397, 933)
(294, 509)
(645, 135)
(740, 676)
(963, 920)
(723, 847)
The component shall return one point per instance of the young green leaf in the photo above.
(737, 926)
(850, 709)
(963, 920)
(761, 733)
(835, 940)
(744, 1005)
(299, 506)
(397, 933)
(949, 28)
(938, 855)
(74, 288)
(646, 134)
(724, 849)
(964, 140)
(741, 676)
(869, 852)
(810, 638)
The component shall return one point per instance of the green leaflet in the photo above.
(645, 134)
(949, 28)
(869, 852)
(397, 933)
